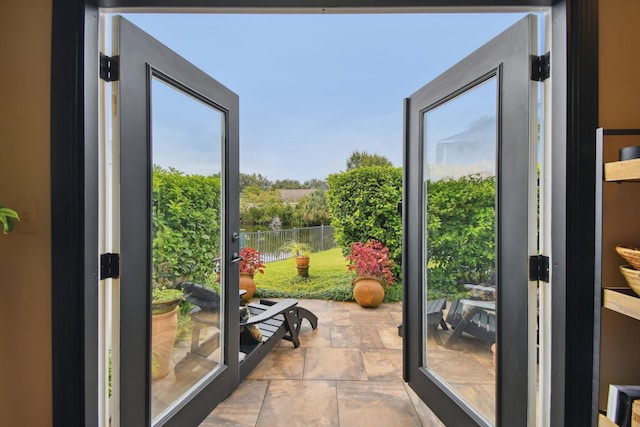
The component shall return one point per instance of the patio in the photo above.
(348, 372)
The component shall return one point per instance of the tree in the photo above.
(316, 184)
(359, 159)
(286, 184)
(260, 207)
(256, 180)
(312, 210)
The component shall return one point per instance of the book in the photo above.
(620, 401)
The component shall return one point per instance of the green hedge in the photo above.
(460, 232)
(186, 226)
(365, 203)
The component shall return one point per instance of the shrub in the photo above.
(461, 232)
(364, 204)
(371, 259)
(186, 226)
(251, 261)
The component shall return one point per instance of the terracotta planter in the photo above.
(248, 284)
(303, 271)
(368, 291)
(302, 261)
(163, 334)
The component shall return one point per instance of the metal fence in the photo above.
(268, 243)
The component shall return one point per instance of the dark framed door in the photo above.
(176, 132)
(470, 185)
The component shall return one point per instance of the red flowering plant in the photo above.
(251, 261)
(371, 259)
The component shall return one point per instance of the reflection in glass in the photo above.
(187, 141)
(460, 146)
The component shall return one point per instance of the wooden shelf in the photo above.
(605, 422)
(626, 170)
(622, 300)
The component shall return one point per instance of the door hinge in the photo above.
(539, 268)
(109, 266)
(540, 67)
(109, 67)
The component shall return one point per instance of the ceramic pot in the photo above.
(163, 334)
(303, 271)
(302, 261)
(368, 291)
(248, 284)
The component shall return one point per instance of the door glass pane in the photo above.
(460, 146)
(187, 141)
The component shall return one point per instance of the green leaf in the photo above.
(8, 219)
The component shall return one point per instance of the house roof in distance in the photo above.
(294, 196)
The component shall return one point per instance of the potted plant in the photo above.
(250, 264)
(300, 252)
(8, 219)
(371, 266)
(164, 326)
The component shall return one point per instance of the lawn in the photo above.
(328, 279)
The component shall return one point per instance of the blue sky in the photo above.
(315, 88)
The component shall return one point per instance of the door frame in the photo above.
(74, 189)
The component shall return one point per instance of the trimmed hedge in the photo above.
(365, 203)
(186, 226)
(461, 232)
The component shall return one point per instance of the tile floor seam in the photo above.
(264, 398)
(413, 405)
(337, 402)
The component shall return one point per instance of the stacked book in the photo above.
(620, 404)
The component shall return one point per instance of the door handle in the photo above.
(236, 258)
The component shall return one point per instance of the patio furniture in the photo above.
(475, 317)
(275, 321)
(434, 318)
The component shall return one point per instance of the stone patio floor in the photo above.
(347, 372)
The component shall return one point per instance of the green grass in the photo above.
(328, 279)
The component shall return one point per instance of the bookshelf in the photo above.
(626, 170)
(621, 300)
(617, 207)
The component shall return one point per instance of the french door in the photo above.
(470, 228)
(175, 219)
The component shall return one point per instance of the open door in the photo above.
(172, 123)
(469, 220)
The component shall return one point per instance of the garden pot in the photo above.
(248, 284)
(368, 291)
(302, 261)
(163, 334)
(303, 271)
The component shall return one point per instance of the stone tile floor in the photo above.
(347, 372)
